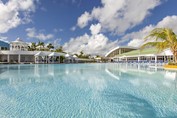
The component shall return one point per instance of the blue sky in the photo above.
(68, 22)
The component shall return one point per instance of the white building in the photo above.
(29, 57)
(18, 45)
(148, 55)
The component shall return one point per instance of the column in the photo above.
(138, 59)
(53, 59)
(8, 58)
(119, 51)
(156, 60)
(46, 59)
(59, 59)
(19, 57)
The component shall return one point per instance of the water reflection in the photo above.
(115, 88)
(111, 74)
(17, 74)
(127, 103)
(155, 85)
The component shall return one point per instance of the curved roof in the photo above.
(119, 47)
(3, 44)
(146, 52)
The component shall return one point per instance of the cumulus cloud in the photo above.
(117, 16)
(95, 29)
(15, 12)
(169, 22)
(73, 28)
(96, 43)
(56, 42)
(4, 39)
(83, 20)
(136, 38)
(33, 33)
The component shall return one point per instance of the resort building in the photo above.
(19, 53)
(149, 55)
(4, 45)
(18, 45)
(119, 50)
(30, 57)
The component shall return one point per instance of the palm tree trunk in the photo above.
(174, 56)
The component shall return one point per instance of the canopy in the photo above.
(75, 56)
(67, 55)
(54, 54)
(40, 54)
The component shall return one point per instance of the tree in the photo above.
(60, 49)
(164, 38)
(81, 54)
(29, 48)
(40, 44)
(50, 46)
(33, 46)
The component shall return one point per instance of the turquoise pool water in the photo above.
(87, 91)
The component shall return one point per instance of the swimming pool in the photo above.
(87, 90)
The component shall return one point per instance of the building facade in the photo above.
(149, 55)
(4, 45)
(119, 50)
(18, 45)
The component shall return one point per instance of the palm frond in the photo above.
(149, 44)
(159, 45)
(157, 33)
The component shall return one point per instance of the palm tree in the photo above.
(40, 44)
(33, 46)
(164, 38)
(60, 49)
(29, 48)
(50, 46)
(81, 54)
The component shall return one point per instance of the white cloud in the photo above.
(57, 30)
(95, 29)
(96, 43)
(15, 12)
(73, 28)
(137, 38)
(32, 33)
(57, 42)
(169, 22)
(83, 20)
(3, 38)
(117, 16)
